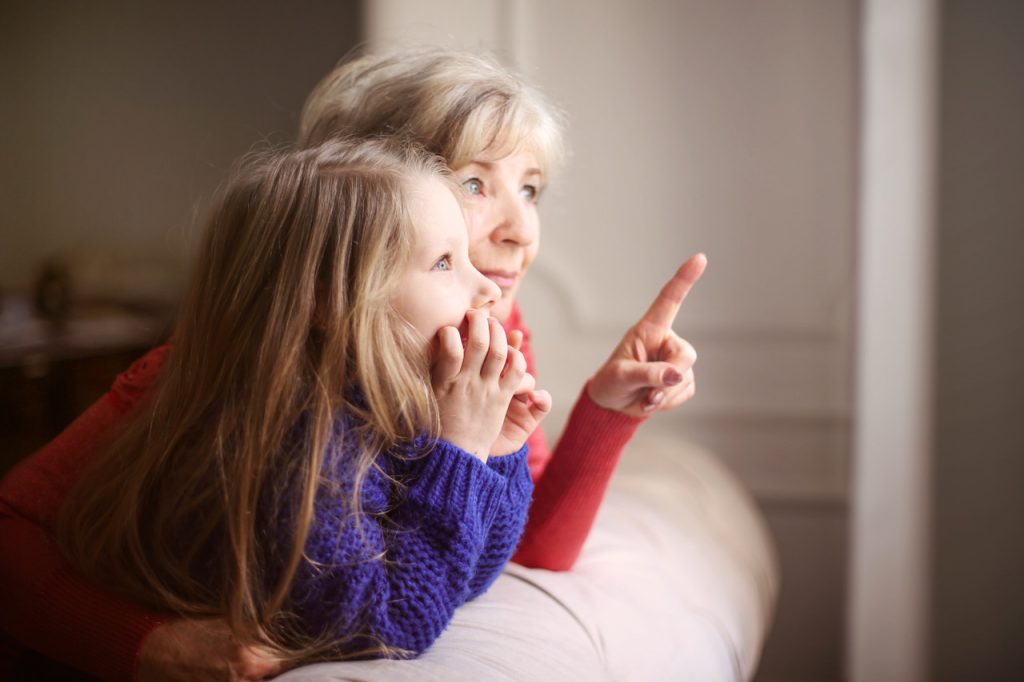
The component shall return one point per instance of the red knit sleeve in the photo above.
(571, 481)
(47, 606)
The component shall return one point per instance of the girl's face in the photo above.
(501, 210)
(440, 282)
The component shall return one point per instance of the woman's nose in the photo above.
(514, 223)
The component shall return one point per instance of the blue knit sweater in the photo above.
(417, 551)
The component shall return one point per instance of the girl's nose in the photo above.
(487, 292)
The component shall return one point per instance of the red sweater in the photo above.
(49, 608)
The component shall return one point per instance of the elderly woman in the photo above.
(503, 142)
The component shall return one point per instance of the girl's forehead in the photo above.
(436, 211)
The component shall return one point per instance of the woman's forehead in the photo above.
(512, 137)
(521, 161)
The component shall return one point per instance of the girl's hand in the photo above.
(202, 650)
(651, 370)
(475, 384)
(526, 411)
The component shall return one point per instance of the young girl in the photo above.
(314, 463)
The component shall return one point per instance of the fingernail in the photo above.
(657, 398)
(672, 377)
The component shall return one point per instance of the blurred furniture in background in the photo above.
(52, 368)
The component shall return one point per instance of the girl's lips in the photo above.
(503, 278)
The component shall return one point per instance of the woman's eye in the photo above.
(474, 186)
(530, 192)
(444, 263)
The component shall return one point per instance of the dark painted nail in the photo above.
(672, 377)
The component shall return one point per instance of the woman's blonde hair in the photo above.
(455, 104)
(288, 322)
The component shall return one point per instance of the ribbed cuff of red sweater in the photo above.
(609, 423)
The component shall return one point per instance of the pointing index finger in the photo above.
(666, 306)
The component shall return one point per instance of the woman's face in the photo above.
(501, 212)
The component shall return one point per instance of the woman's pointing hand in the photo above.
(651, 369)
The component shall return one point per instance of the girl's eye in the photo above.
(444, 263)
(530, 193)
(474, 186)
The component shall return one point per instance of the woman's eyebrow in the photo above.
(488, 165)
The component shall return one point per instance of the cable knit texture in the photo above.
(396, 573)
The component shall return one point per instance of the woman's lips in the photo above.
(506, 279)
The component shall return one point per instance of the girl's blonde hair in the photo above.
(455, 104)
(288, 322)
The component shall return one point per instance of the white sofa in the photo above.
(677, 581)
